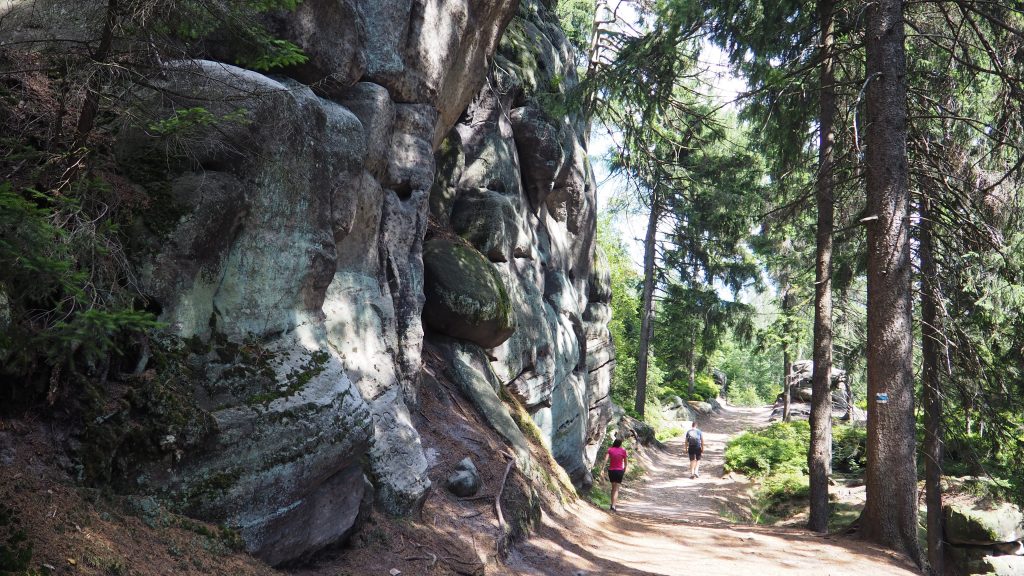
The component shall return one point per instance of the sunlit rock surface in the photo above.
(285, 247)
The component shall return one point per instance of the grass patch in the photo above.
(669, 432)
(780, 496)
(841, 515)
(600, 497)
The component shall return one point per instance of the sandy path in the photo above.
(671, 525)
(667, 490)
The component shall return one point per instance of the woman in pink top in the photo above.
(616, 468)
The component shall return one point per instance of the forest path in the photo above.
(668, 524)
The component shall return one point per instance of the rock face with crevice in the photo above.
(288, 254)
(514, 182)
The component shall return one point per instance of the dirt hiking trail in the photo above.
(668, 524)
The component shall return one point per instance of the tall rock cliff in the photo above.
(514, 182)
(413, 186)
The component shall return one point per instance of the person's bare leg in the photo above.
(615, 493)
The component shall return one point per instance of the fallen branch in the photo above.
(497, 498)
(430, 556)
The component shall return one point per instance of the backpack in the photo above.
(693, 439)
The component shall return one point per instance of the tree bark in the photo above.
(693, 372)
(890, 511)
(647, 313)
(787, 362)
(819, 456)
(91, 104)
(930, 334)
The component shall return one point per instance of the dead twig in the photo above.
(430, 556)
(497, 497)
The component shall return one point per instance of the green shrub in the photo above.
(669, 432)
(779, 492)
(704, 389)
(781, 446)
(849, 448)
(744, 396)
(62, 288)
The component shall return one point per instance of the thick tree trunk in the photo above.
(647, 313)
(930, 334)
(819, 456)
(890, 511)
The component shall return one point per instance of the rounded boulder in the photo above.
(465, 296)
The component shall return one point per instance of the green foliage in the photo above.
(600, 497)
(781, 446)
(15, 548)
(665, 433)
(778, 493)
(657, 417)
(273, 53)
(188, 120)
(236, 23)
(624, 325)
(849, 448)
(54, 310)
(704, 388)
(577, 18)
(753, 373)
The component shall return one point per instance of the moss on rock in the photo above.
(465, 297)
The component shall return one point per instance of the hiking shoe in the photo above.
(697, 474)
(692, 476)
(612, 508)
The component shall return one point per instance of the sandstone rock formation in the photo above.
(982, 536)
(286, 254)
(514, 182)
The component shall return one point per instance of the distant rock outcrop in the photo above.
(800, 394)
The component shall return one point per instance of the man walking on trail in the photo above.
(694, 448)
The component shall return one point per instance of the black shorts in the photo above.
(694, 453)
(615, 476)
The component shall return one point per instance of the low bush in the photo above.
(849, 448)
(704, 389)
(779, 447)
(779, 494)
(744, 396)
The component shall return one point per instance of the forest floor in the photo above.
(668, 524)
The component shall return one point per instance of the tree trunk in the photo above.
(693, 373)
(787, 363)
(787, 384)
(819, 456)
(647, 313)
(930, 335)
(849, 398)
(91, 104)
(890, 511)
